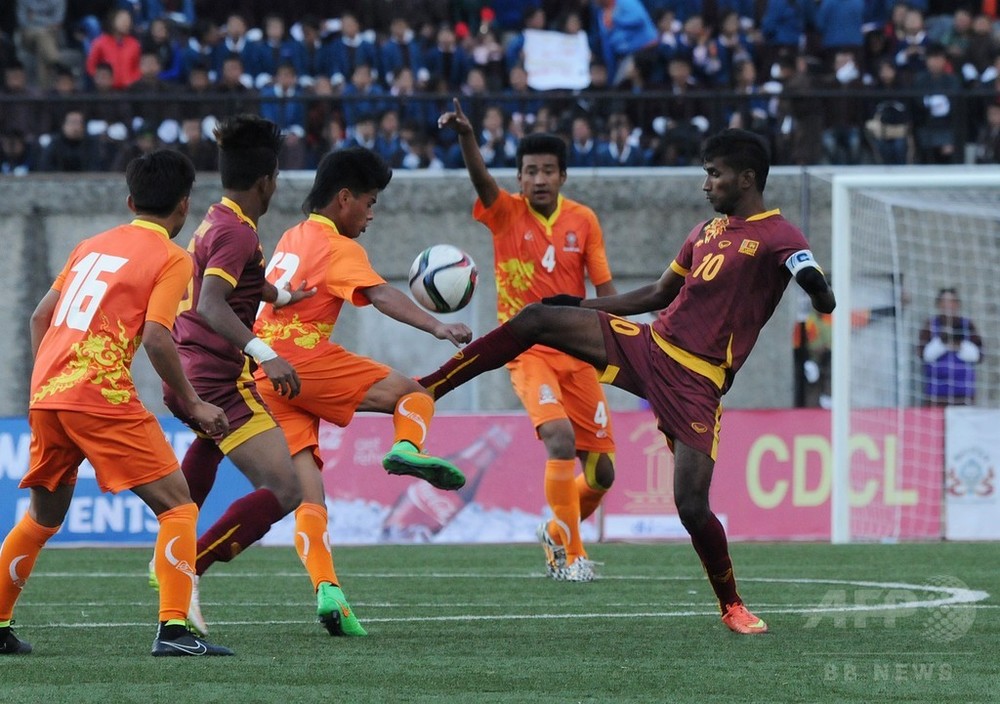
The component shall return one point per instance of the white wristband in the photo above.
(260, 351)
(283, 298)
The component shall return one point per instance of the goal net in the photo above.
(899, 239)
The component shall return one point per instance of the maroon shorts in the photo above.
(246, 411)
(687, 405)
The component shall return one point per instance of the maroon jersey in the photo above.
(226, 245)
(735, 275)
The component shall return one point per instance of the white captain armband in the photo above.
(802, 259)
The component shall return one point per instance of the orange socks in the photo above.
(312, 543)
(175, 556)
(590, 498)
(17, 558)
(412, 417)
(564, 499)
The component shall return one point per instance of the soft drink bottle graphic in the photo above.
(421, 511)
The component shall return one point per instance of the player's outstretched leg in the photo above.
(410, 419)
(335, 613)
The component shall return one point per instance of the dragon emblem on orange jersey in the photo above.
(101, 359)
(513, 278)
(304, 335)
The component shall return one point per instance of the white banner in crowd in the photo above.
(972, 454)
(556, 59)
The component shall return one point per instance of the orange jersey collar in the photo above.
(147, 225)
(322, 219)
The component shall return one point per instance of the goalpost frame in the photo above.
(840, 416)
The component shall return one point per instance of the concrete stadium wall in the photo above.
(646, 214)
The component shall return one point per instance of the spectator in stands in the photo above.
(751, 110)
(404, 96)
(197, 98)
(144, 142)
(203, 153)
(63, 97)
(682, 119)
(23, 114)
(118, 48)
(317, 60)
(362, 133)
(806, 113)
(956, 40)
(351, 49)
(889, 120)
(842, 133)
(388, 142)
(487, 55)
(624, 36)
(911, 50)
(17, 157)
(160, 40)
(236, 42)
(401, 50)
(273, 50)
(695, 46)
(203, 47)
(497, 145)
(447, 60)
(934, 114)
(420, 152)
(151, 96)
(622, 147)
(238, 97)
(782, 28)
(732, 47)
(145, 12)
(283, 102)
(72, 149)
(111, 108)
(519, 98)
(983, 47)
(534, 18)
(839, 24)
(583, 147)
(40, 27)
(988, 139)
(362, 95)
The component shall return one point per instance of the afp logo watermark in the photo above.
(944, 602)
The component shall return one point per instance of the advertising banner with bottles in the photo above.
(772, 482)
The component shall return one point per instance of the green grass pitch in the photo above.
(866, 623)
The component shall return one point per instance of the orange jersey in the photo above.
(535, 256)
(111, 285)
(315, 253)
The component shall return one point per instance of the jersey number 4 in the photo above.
(84, 293)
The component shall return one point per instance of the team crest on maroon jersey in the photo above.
(749, 247)
(713, 230)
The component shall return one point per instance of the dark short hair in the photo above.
(357, 169)
(742, 150)
(248, 149)
(542, 143)
(158, 181)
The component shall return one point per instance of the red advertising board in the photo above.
(772, 481)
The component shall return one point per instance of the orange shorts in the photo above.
(126, 451)
(333, 387)
(554, 386)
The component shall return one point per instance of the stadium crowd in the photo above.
(89, 84)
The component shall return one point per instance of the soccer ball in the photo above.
(443, 278)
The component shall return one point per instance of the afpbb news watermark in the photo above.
(944, 603)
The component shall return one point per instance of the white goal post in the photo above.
(898, 238)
